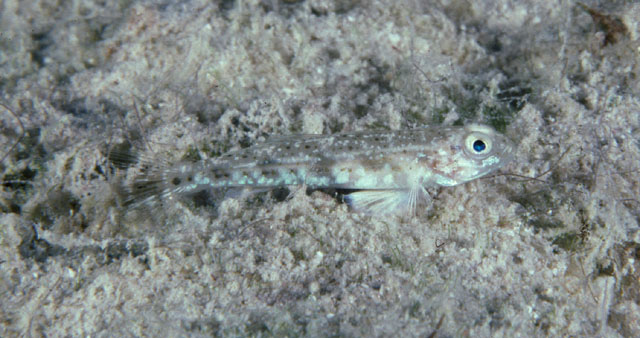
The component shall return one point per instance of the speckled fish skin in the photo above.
(397, 163)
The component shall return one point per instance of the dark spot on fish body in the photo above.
(217, 173)
(266, 161)
(435, 163)
(176, 181)
(270, 173)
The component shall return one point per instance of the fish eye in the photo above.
(478, 144)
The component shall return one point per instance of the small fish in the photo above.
(387, 171)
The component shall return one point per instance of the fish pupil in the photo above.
(479, 146)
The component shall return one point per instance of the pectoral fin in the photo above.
(389, 201)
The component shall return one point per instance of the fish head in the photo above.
(475, 150)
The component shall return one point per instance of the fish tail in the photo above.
(152, 180)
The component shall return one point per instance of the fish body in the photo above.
(387, 170)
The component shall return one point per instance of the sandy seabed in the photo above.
(549, 246)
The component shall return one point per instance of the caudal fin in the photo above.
(149, 180)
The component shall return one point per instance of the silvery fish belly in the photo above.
(388, 170)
